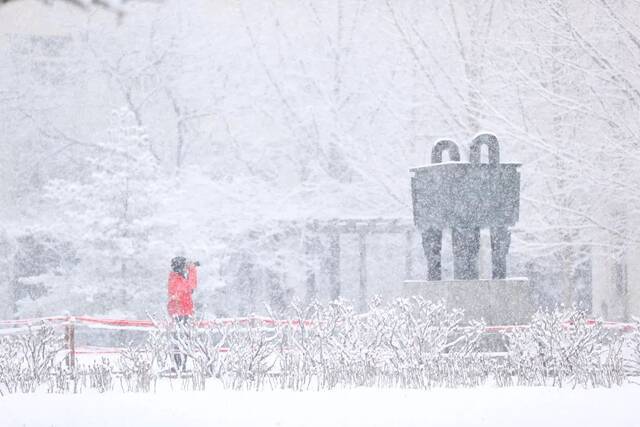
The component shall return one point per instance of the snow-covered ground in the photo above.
(484, 406)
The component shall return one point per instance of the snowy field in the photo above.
(484, 406)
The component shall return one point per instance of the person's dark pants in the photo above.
(180, 359)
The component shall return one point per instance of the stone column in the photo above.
(408, 254)
(334, 266)
(311, 245)
(362, 252)
(466, 248)
(432, 245)
(500, 241)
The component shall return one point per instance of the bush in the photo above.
(410, 342)
(562, 347)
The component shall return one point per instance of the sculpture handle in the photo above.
(491, 142)
(440, 146)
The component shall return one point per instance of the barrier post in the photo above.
(70, 338)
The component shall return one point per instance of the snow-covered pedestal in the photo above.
(497, 301)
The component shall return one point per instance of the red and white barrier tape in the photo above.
(88, 350)
(19, 325)
(136, 324)
(621, 326)
(33, 321)
(29, 327)
(98, 350)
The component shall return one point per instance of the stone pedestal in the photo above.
(497, 301)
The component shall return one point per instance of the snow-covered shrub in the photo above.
(633, 344)
(411, 343)
(251, 356)
(561, 347)
(100, 374)
(27, 359)
(10, 365)
(198, 346)
(65, 379)
(158, 345)
(432, 346)
(317, 353)
(136, 373)
(39, 348)
(201, 346)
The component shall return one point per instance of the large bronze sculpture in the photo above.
(466, 197)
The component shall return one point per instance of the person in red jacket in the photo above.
(183, 280)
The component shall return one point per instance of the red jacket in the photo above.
(180, 289)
